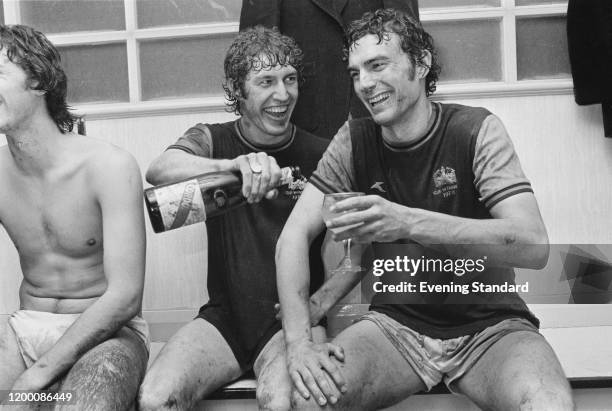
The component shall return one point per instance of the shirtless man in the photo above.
(73, 207)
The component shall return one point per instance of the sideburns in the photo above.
(241, 92)
(411, 72)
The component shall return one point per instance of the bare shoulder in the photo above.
(107, 166)
(104, 158)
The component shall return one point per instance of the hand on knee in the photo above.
(299, 403)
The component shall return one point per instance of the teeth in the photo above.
(378, 98)
(276, 110)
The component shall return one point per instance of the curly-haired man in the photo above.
(438, 178)
(72, 205)
(236, 330)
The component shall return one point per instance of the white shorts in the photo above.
(38, 331)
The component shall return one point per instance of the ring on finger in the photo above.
(255, 168)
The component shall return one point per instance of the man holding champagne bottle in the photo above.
(440, 177)
(236, 330)
(72, 205)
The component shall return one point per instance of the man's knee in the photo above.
(159, 392)
(269, 399)
(547, 399)
(110, 371)
(104, 367)
(151, 398)
(299, 403)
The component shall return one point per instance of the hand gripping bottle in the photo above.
(199, 198)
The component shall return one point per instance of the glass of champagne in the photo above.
(346, 264)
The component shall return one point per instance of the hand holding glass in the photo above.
(346, 265)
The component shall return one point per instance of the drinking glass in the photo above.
(346, 264)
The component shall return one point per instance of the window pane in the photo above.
(186, 67)
(426, 4)
(534, 2)
(61, 16)
(152, 13)
(469, 51)
(1, 12)
(96, 73)
(542, 48)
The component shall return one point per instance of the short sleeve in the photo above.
(335, 171)
(497, 169)
(197, 141)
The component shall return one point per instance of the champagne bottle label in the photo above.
(181, 204)
(208, 195)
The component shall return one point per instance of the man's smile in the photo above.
(277, 111)
(379, 98)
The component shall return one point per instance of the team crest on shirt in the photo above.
(378, 186)
(295, 188)
(445, 182)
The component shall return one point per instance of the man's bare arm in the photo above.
(332, 291)
(174, 164)
(515, 236)
(309, 364)
(117, 184)
(292, 265)
(329, 294)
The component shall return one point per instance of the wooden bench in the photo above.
(585, 352)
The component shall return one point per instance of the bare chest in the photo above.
(62, 217)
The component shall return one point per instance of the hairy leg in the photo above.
(273, 382)
(11, 363)
(194, 362)
(519, 372)
(107, 376)
(377, 374)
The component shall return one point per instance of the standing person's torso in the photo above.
(327, 86)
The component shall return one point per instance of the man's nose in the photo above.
(366, 81)
(281, 92)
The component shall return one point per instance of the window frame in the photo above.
(507, 13)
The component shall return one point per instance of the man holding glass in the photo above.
(439, 177)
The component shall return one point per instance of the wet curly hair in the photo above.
(414, 39)
(40, 60)
(256, 48)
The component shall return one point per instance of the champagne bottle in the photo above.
(199, 198)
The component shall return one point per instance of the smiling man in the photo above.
(72, 205)
(236, 330)
(438, 177)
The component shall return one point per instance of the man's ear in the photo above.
(425, 64)
(32, 84)
(235, 89)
